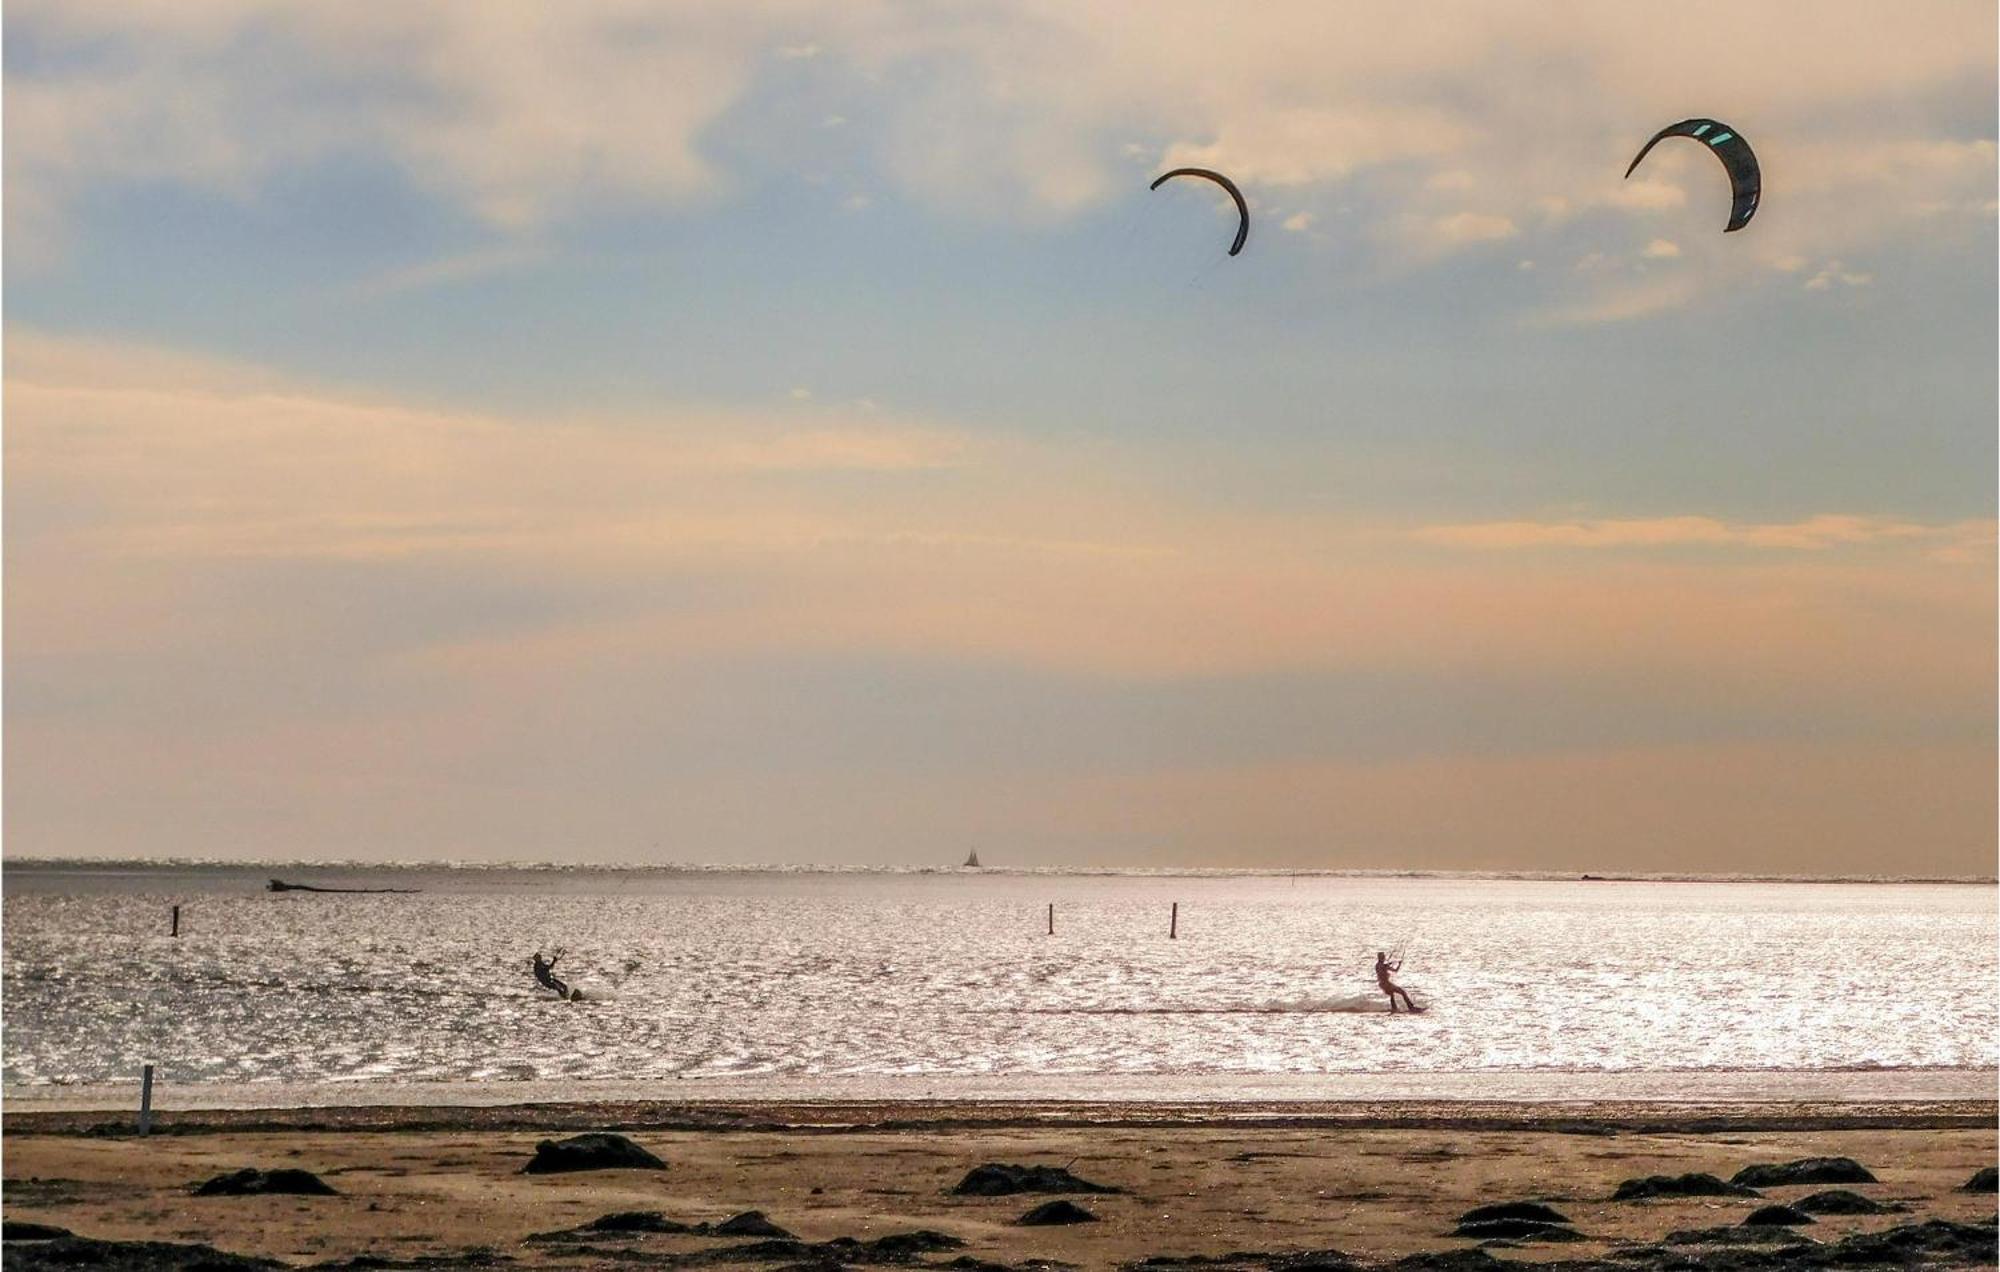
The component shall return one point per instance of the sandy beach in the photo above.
(1378, 1183)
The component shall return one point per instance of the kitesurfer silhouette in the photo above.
(545, 972)
(1382, 969)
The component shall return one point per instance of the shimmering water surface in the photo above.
(844, 978)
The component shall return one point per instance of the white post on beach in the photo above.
(146, 1100)
(1174, 923)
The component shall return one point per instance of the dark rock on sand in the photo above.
(897, 1247)
(918, 1241)
(1840, 1201)
(1807, 1170)
(1530, 1210)
(1692, 1185)
(1764, 1235)
(1516, 1230)
(129, 1256)
(593, 1150)
(616, 1224)
(478, 1257)
(1450, 1261)
(1777, 1217)
(1272, 1260)
(1984, 1180)
(1234, 1258)
(751, 1223)
(250, 1182)
(996, 1179)
(22, 1230)
(633, 1221)
(1055, 1213)
(1932, 1242)
(791, 1253)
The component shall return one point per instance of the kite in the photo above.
(1745, 181)
(1242, 208)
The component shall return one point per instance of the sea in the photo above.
(984, 984)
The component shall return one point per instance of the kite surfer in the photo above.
(1382, 969)
(545, 973)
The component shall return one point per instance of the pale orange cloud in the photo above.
(1811, 534)
(154, 502)
(992, 548)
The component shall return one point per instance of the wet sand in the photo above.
(1377, 1182)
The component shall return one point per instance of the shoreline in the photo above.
(1219, 1096)
(849, 1116)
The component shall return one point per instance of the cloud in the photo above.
(1621, 298)
(220, 578)
(1295, 146)
(1833, 272)
(1298, 222)
(521, 115)
(1473, 227)
(1814, 534)
(1661, 250)
(526, 114)
(856, 529)
(241, 463)
(461, 267)
(1639, 195)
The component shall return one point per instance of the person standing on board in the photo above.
(1382, 969)
(545, 972)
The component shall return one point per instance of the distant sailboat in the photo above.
(972, 860)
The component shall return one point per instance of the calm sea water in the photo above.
(851, 983)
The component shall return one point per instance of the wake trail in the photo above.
(1351, 1005)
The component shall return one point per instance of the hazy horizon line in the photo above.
(697, 867)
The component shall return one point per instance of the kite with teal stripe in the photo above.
(1746, 179)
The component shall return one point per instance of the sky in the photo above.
(795, 433)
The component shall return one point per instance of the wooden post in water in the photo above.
(146, 1100)
(1174, 923)
(177, 922)
(1052, 918)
